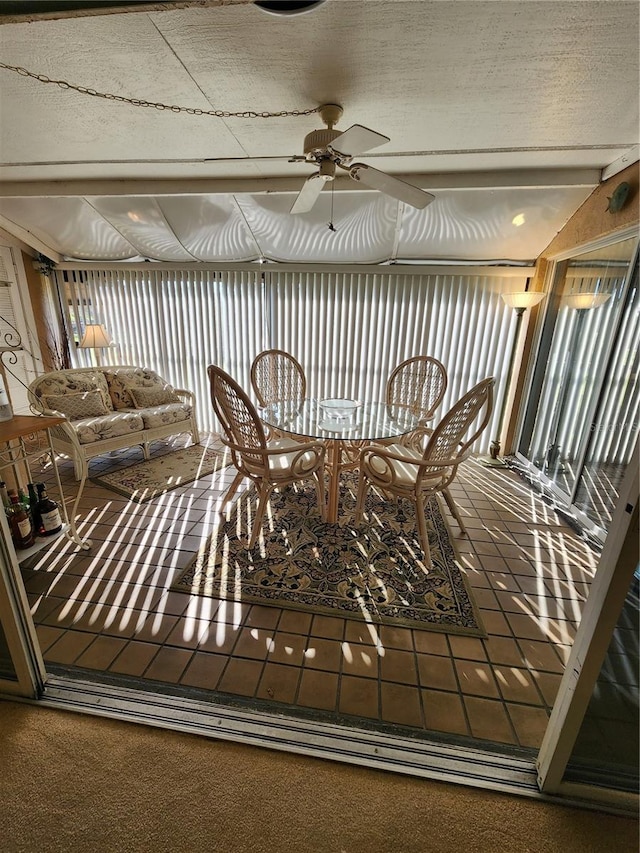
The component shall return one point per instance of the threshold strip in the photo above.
(377, 750)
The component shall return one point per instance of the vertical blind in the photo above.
(349, 330)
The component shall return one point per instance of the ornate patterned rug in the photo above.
(374, 573)
(147, 480)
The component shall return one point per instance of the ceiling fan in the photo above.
(330, 148)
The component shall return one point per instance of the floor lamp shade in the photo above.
(583, 301)
(523, 299)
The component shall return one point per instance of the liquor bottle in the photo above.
(35, 512)
(51, 520)
(6, 412)
(19, 522)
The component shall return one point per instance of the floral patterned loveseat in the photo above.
(109, 408)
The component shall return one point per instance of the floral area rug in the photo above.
(147, 480)
(374, 572)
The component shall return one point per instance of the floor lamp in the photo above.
(96, 338)
(519, 301)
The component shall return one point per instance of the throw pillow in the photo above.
(78, 404)
(122, 380)
(145, 398)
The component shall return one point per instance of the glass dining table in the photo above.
(343, 436)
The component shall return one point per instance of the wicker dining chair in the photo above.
(405, 472)
(419, 383)
(268, 464)
(276, 376)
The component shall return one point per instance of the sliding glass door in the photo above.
(21, 666)
(581, 422)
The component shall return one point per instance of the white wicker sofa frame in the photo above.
(109, 408)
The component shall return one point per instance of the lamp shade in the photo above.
(583, 301)
(95, 337)
(523, 298)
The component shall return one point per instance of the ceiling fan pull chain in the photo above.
(331, 225)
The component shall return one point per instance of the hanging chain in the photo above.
(139, 102)
(331, 226)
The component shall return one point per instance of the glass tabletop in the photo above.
(366, 422)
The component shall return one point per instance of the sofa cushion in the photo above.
(90, 430)
(77, 404)
(120, 381)
(71, 382)
(170, 413)
(145, 398)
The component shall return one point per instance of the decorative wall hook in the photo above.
(44, 265)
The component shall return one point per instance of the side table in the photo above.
(14, 452)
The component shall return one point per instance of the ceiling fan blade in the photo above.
(389, 185)
(310, 191)
(356, 140)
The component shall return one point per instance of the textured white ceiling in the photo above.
(499, 108)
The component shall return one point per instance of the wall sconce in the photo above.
(519, 300)
(95, 337)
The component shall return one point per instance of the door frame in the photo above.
(18, 626)
(614, 574)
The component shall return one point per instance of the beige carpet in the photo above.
(373, 571)
(78, 784)
(147, 480)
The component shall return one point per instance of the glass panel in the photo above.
(607, 748)
(585, 387)
(615, 430)
(7, 669)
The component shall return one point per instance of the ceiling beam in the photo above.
(498, 179)
(416, 268)
(50, 10)
(629, 157)
(26, 240)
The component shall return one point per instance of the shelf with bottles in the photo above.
(26, 437)
(34, 519)
(39, 544)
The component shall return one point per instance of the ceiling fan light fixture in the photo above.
(327, 170)
(316, 142)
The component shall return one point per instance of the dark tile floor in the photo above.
(110, 610)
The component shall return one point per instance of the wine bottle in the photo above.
(24, 500)
(19, 522)
(51, 520)
(26, 505)
(35, 513)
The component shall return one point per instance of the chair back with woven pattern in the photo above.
(238, 417)
(276, 376)
(418, 383)
(450, 438)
